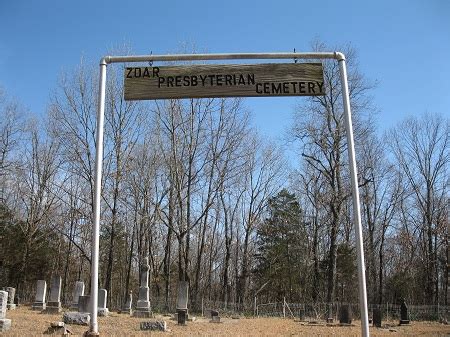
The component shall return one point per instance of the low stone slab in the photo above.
(59, 329)
(5, 324)
(215, 319)
(78, 318)
(142, 313)
(154, 326)
(38, 306)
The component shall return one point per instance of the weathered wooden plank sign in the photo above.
(231, 80)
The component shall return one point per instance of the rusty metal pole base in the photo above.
(91, 334)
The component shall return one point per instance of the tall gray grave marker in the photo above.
(84, 303)
(127, 307)
(39, 300)
(143, 308)
(345, 314)
(11, 293)
(54, 303)
(404, 315)
(77, 292)
(102, 310)
(182, 301)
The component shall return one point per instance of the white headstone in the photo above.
(102, 310)
(41, 290)
(3, 303)
(102, 297)
(77, 292)
(39, 300)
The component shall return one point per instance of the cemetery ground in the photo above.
(26, 322)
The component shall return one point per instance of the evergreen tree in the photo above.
(282, 249)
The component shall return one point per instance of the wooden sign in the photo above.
(237, 80)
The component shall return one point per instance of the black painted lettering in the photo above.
(186, 81)
(311, 87)
(194, 81)
(234, 79)
(285, 88)
(129, 72)
(178, 81)
(228, 79)
(266, 88)
(250, 79)
(219, 79)
(320, 85)
(161, 80)
(203, 78)
(241, 80)
(211, 78)
(302, 87)
(294, 84)
(146, 73)
(258, 88)
(170, 81)
(137, 72)
(276, 88)
(155, 71)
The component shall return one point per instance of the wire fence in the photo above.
(322, 311)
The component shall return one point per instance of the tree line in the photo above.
(191, 185)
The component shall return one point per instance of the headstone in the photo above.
(77, 292)
(39, 300)
(5, 323)
(215, 318)
(102, 310)
(127, 307)
(54, 303)
(345, 314)
(182, 301)
(78, 318)
(11, 294)
(181, 317)
(84, 303)
(143, 308)
(404, 315)
(154, 326)
(377, 317)
(329, 313)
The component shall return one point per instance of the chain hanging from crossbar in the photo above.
(150, 63)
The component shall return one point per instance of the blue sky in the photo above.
(405, 45)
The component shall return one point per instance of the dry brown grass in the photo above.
(26, 322)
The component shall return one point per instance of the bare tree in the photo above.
(320, 128)
(421, 148)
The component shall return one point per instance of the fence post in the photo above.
(202, 308)
(284, 307)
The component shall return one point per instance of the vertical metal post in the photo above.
(93, 328)
(355, 194)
